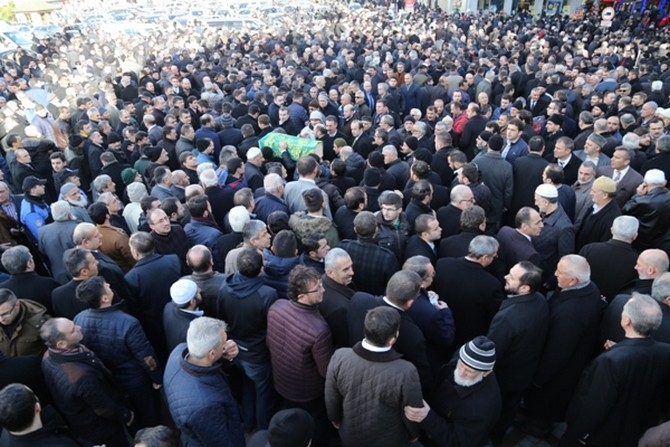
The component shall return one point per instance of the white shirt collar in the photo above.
(370, 347)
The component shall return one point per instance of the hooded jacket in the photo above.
(303, 224)
(276, 271)
(244, 303)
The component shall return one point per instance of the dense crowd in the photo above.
(375, 229)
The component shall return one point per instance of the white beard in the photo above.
(82, 202)
(467, 382)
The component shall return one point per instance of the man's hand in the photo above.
(131, 420)
(157, 386)
(417, 414)
(608, 344)
(335, 424)
(230, 350)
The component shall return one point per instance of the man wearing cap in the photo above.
(592, 151)
(180, 311)
(626, 178)
(294, 427)
(368, 385)
(596, 224)
(557, 237)
(252, 169)
(467, 403)
(70, 193)
(34, 210)
(552, 131)
(651, 206)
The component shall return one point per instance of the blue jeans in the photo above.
(257, 394)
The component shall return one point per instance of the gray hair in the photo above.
(644, 312)
(631, 141)
(459, 192)
(273, 183)
(252, 228)
(625, 228)
(106, 197)
(15, 259)
(333, 256)
(203, 335)
(101, 181)
(577, 268)
(627, 119)
(483, 246)
(403, 287)
(60, 210)
(417, 264)
(208, 178)
(660, 288)
(663, 144)
(82, 232)
(421, 127)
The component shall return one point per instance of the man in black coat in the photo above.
(624, 390)
(519, 330)
(373, 265)
(423, 243)
(466, 402)
(651, 267)
(473, 294)
(572, 342)
(651, 207)
(183, 308)
(402, 290)
(596, 224)
(449, 216)
(557, 237)
(516, 243)
(473, 224)
(24, 282)
(80, 265)
(613, 262)
(475, 125)
(83, 387)
(337, 294)
(527, 175)
(149, 283)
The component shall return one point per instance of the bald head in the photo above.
(199, 259)
(652, 263)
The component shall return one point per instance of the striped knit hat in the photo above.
(479, 354)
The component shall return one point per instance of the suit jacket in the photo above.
(417, 246)
(627, 185)
(515, 247)
(540, 108)
(570, 170)
(334, 309)
(54, 239)
(473, 302)
(64, 300)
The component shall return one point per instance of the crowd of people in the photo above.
(477, 241)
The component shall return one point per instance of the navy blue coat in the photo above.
(201, 404)
(267, 205)
(149, 284)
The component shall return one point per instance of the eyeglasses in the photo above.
(9, 312)
(318, 289)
